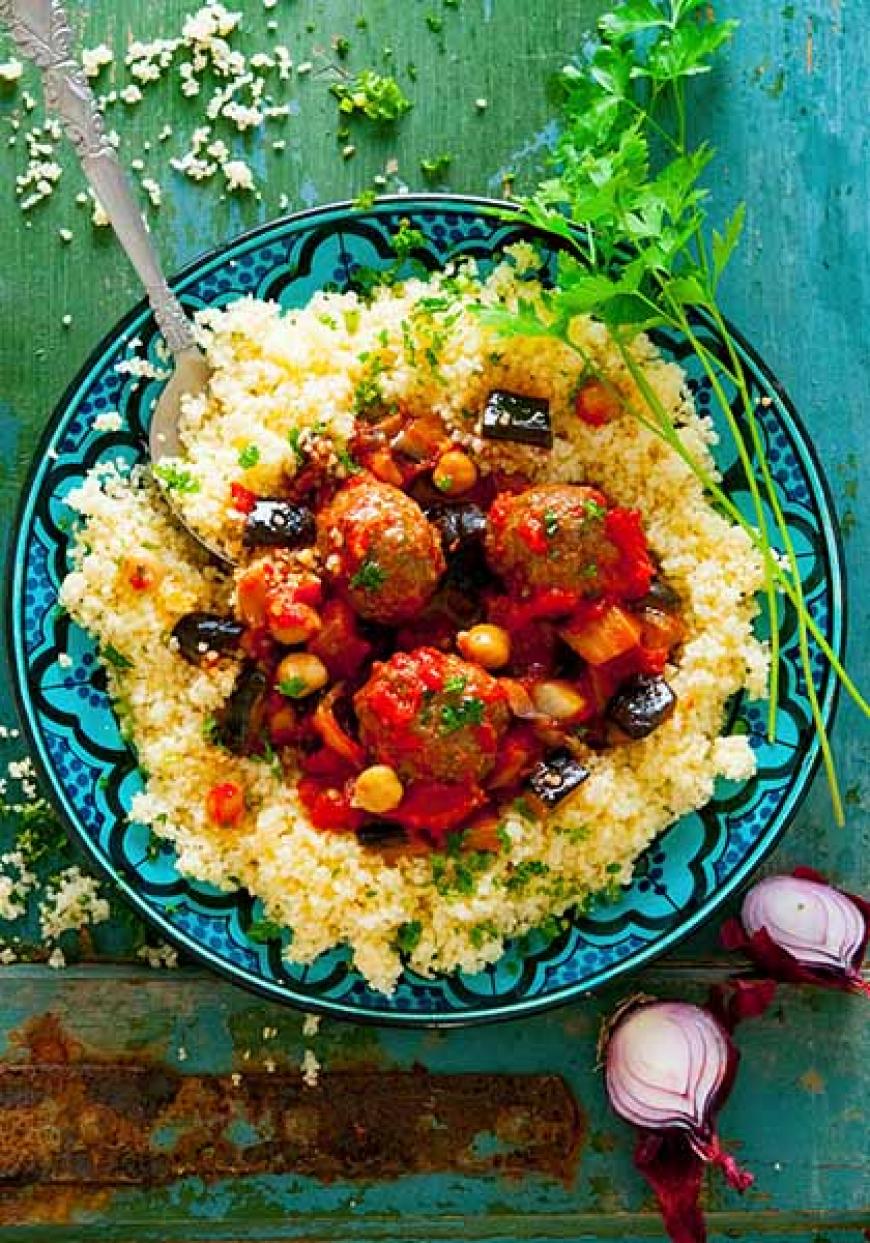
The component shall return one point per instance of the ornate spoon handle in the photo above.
(42, 32)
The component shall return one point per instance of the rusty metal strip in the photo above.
(95, 1124)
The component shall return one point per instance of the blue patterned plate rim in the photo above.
(501, 1010)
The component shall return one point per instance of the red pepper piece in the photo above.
(433, 809)
(329, 806)
(244, 499)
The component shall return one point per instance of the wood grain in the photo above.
(788, 112)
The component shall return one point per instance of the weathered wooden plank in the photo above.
(447, 1120)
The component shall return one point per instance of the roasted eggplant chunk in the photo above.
(557, 776)
(511, 416)
(641, 705)
(278, 524)
(198, 634)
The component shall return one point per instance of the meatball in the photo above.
(552, 536)
(430, 715)
(380, 550)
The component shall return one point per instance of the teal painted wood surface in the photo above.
(787, 110)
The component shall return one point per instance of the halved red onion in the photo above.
(666, 1061)
(800, 928)
(669, 1067)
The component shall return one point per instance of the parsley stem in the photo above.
(761, 518)
(806, 621)
(664, 428)
(788, 543)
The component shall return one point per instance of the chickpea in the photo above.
(300, 674)
(560, 700)
(455, 473)
(488, 646)
(291, 623)
(377, 789)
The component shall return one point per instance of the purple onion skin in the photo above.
(802, 930)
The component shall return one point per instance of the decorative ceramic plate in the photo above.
(92, 775)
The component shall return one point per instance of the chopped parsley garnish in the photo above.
(551, 523)
(366, 198)
(116, 658)
(249, 457)
(550, 927)
(592, 509)
(456, 684)
(457, 716)
(408, 342)
(408, 936)
(575, 835)
(293, 688)
(368, 393)
(436, 167)
(456, 874)
(369, 576)
(176, 480)
(262, 930)
(504, 838)
(524, 872)
(373, 95)
(483, 932)
(210, 729)
(294, 436)
(405, 239)
(522, 808)
(349, 463)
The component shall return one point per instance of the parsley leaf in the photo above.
(116, 658)
(262, 930)
(369, 577)
(408, 936)
(436, 167)
(294, 436)
(249, 456)
(293, 688)
(456, 684)
(176, 479)
(467, 712)
(373, 95)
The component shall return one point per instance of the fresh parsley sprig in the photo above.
(628, 208)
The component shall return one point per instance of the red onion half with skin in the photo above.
(801, 929)
(669, 1067)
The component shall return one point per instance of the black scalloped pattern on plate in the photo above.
(92, 775)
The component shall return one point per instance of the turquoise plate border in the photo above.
(90, 775)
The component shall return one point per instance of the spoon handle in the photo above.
(42, 32)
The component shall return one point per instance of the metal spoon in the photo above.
(42, 32)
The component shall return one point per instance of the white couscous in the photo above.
(477, 644)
